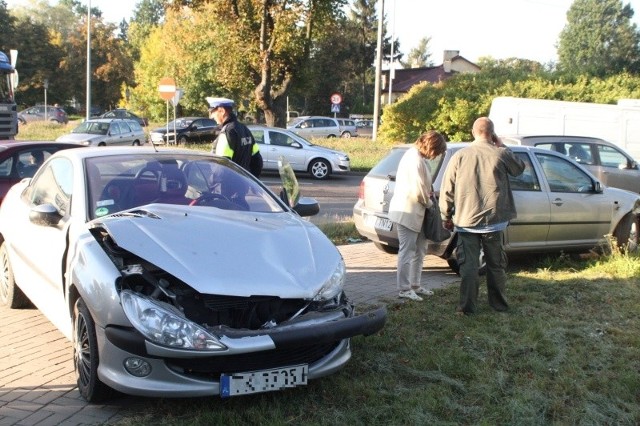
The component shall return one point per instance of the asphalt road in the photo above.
(336, 195)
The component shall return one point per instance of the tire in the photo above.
(182, 140)
(136, 143)
(85, 356)
(345, 135)
(331, 136)
(102, 144)
(386, 248)
(626, 233)
(10, 294)
(319, 169)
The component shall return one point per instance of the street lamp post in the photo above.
(46, 86)
(88, 101)
(376, 96)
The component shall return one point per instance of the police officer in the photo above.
(235, 141)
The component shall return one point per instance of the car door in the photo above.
(127, 133)
(37, 250)
(617, 169)
(280, 144)
(531, 226)
(579, 216)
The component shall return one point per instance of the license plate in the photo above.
(263, 381)
(379, 222)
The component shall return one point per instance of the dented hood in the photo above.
(229, 252)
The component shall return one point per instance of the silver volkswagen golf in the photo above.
(560, 205)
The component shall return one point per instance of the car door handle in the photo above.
(558, 202)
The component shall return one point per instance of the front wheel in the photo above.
(182, 140)
(319, 169)
(85, 356)
(345, 135)
(10, 294)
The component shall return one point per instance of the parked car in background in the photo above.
(21, 159)
(315, 127)
(347, 128)
(106, 131)
(303, 156)
(38, 113)
(123, 113)
(187, 129)
(365, 128)
(560, 205)
(142, 273)
(608, 162)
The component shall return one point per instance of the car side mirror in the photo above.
(45, 215)
(295, 145)
(307, 207)
(597, 187)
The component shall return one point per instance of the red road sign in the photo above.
(336, 98)
(167, 88)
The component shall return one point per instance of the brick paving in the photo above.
(37, 386)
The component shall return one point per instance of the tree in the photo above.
(599, 39)
(419, 56)
(7, 28)
(267, 42)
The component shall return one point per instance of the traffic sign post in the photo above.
(167, 89)
(336, 100)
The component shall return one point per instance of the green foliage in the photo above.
(599, 39)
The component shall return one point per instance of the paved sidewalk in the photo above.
(37, 385)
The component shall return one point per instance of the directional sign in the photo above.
(167, 88)
(336, 99)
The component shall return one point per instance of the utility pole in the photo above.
(376, 95)
(88, 100)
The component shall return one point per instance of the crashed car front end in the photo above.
(160, 336)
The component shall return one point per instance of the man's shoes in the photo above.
(422, 290)
(409, 294)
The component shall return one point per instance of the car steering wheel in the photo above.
(155, 172)
(208, 197)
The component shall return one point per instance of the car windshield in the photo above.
(118, 182)
(92, 127)
(181, 123)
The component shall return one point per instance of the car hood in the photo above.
(80, 137)
(231, 253)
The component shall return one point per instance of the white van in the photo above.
(619, 124)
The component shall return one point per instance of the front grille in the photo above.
(211, 368)
(239, 312)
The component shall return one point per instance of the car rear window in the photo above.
(389, 164)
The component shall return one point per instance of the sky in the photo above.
(527, 29)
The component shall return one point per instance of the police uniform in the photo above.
(235, 140)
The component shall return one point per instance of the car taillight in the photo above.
(361, 191)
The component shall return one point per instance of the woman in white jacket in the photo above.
(407, 208)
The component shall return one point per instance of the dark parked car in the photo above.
(123, 113)
(40, 113)
(560, 205)
(187, 129)
(607, 161)
(21, 159)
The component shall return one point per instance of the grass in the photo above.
(364, 153)
(568, 352)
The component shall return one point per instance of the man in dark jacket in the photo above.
(476, 197)
(235, 141)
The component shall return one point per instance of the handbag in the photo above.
(432, 224)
